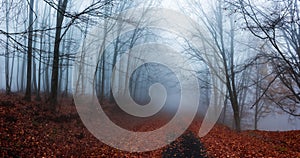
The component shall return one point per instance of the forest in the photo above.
(134, 78)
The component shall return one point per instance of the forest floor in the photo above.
(28, 129)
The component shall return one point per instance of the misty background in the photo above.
(258, 43)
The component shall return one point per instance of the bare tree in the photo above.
(225, 39)
(278, 23)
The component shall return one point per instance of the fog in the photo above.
(98, 48)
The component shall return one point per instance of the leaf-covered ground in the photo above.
(30, 129)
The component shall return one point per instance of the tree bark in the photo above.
(7, 52)
(29, 54)
(55, 66)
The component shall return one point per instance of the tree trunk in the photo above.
(6, 52)
(23, 71)
(55, 66)
(29, 54)
(67, 74)
(11, 71)
(111, 96)
(38, 97)
(42, 44)
(67, 66)
(103, 78)
(61, 67)
(18, 70)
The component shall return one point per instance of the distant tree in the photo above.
(41, 52)
(48, 57)
(261, 79)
